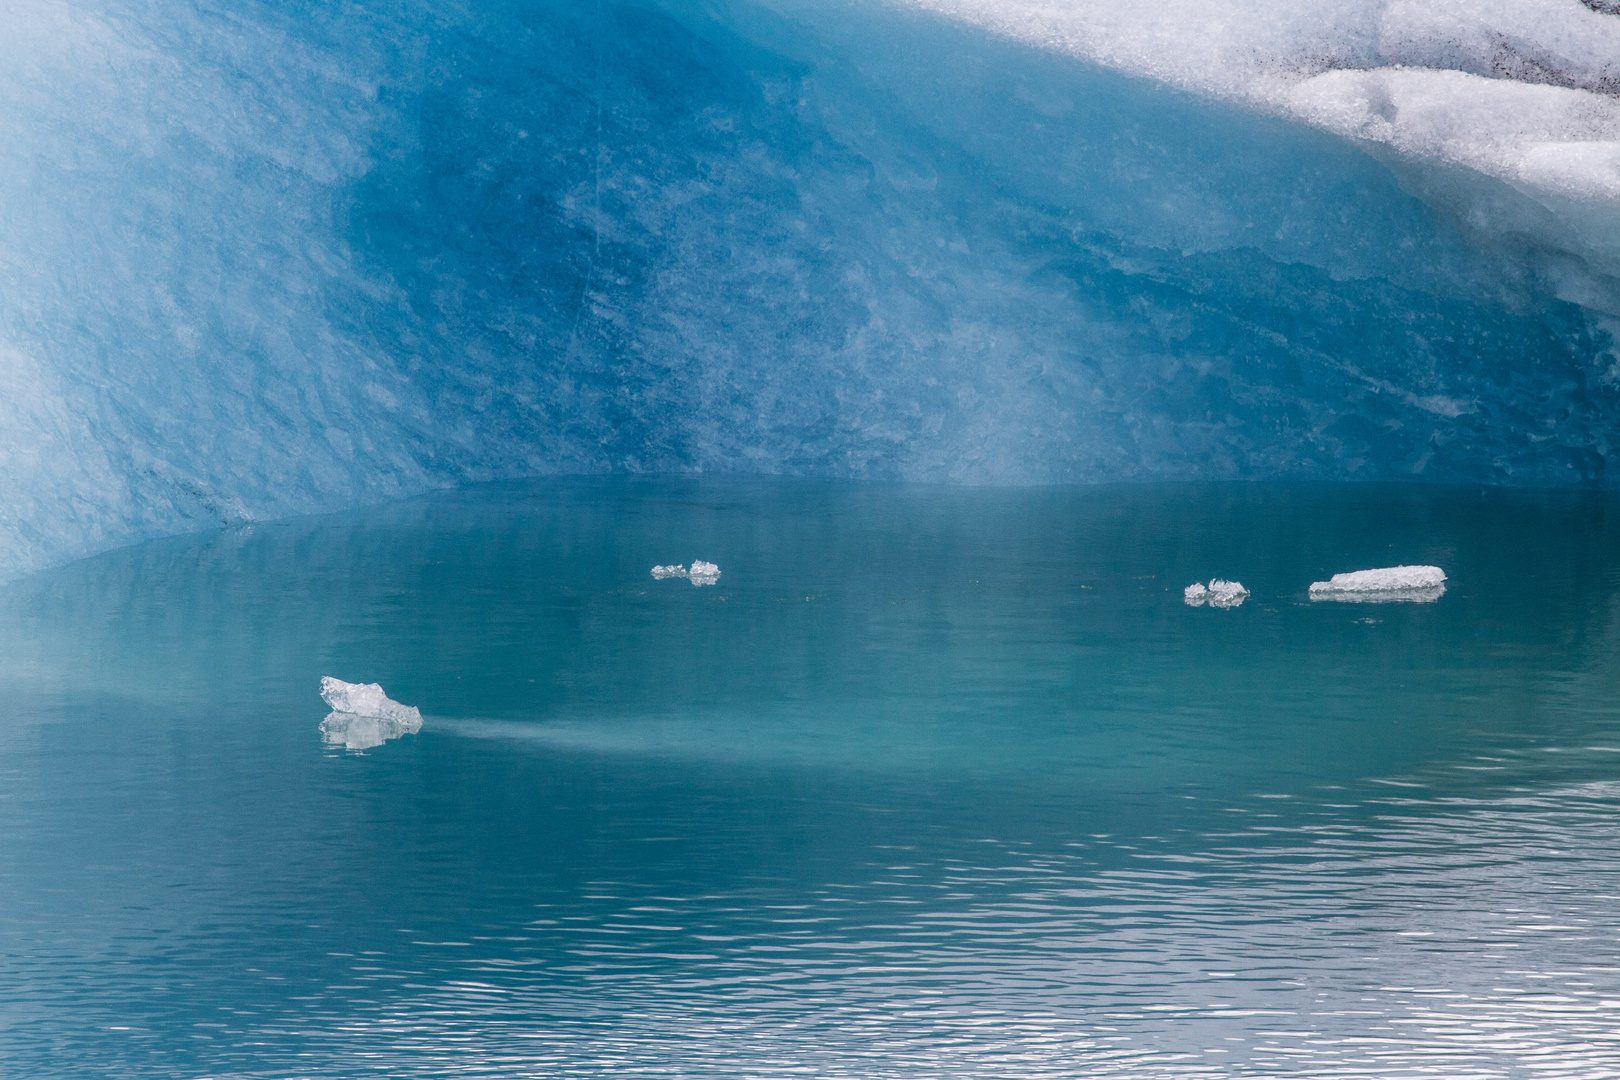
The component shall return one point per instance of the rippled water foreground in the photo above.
(931, 782)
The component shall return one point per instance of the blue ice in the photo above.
(261, 258)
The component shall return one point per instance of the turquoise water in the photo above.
(934, 782)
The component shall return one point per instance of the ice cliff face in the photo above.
(267, 258)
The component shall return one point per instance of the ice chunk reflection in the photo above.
(363, 732)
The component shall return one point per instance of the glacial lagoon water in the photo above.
(933, 782)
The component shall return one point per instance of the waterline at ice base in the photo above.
(266, 259)
(775, 538)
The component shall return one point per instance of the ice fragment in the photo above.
(363, 716)
(702, 573)
(1219, 593)
(1419, 584)
(365, 699)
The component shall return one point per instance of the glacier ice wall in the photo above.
(265, 258)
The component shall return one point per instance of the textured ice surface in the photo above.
(661, 572)
(1419, 583)
(366, 699)
(1217, 594)
(269, 258)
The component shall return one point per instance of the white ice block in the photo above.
(363, 716)
(1219, 593)
(1418, 583)
(366, 699)
(702, 573)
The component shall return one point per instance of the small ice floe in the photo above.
(363, 716)
(1218, 593)
(1414, 584)
(702, 573)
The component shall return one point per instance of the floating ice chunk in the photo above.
(702, 573)
(363, 716)
(1218, 593)
(1418, 584)
(366, 699)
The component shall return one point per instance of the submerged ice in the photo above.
(255, 263)
(365, 699)
(364, 732)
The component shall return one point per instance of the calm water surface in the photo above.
(934, 782)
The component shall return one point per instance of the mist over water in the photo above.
(933, 780)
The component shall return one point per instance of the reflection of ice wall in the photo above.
(263, 258)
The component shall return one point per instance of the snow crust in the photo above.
(1392, 582)
(1218, 593)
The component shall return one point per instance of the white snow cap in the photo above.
(1390, 582)
(702, 573)
(1219, 593)
(1522, 91)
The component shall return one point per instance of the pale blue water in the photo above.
(934, 782)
